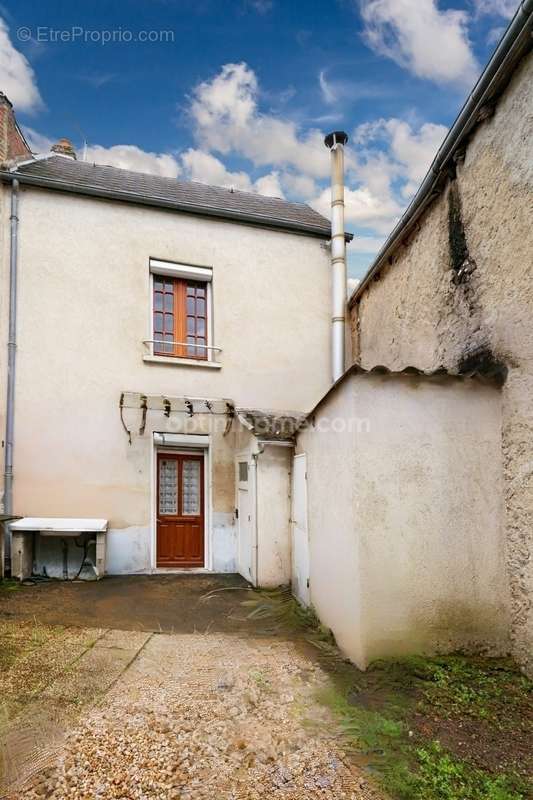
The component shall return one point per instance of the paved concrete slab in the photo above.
(166, 603)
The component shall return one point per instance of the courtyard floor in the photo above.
(163, 689)
(196, 687)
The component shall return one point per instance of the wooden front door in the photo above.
(180, 510)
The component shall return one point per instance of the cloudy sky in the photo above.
(241, 92)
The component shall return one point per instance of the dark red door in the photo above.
(180, 510)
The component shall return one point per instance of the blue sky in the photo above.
(241, 92)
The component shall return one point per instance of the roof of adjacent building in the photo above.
(515, 44)
(480, 365)
(66, 174)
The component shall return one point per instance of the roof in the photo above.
(271, 426)
(81, 177)
(479, 365)
(514, 45)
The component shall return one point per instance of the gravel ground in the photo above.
(216, 717)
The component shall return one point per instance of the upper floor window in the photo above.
(181, 311)
(180, 317)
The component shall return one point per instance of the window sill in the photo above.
(182, 362)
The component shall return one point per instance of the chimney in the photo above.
(64, 147)
(336, 141)
(13, 145)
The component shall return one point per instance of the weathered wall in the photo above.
(273, 512)
(83, 311)
(405, 505)
(419, 312)
(334, 560)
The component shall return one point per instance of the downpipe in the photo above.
(11, 365)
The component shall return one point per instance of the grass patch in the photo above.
(443, 728)
(8, 585)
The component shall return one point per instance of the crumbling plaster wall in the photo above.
(419, 313)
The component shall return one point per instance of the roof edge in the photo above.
(515, 43)
(494, 375)
(139, 199)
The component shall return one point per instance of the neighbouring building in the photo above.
(453, 284)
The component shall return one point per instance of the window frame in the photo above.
(171, 271)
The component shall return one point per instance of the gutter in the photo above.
(132, 197)
(11, 364)
(514, 44)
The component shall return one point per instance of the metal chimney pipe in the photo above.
(336, 141)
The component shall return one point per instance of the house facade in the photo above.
(153, 319)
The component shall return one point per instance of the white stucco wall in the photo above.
(83, 311)
(416, 315)
(273, 512)
(405, 516)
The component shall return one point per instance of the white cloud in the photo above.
(494, 35)
(328, 93)
(385, 162)
(37, 142)
(351, 285)
(129, 156)
(261, 6)
(17, 78)
(367, 244)
(409, 153)
(206, 168)
(297, 185)
(390, 158)
(428, 42)
(363, 208)
(496, 8)
(269, 185)
(227, 119)
(125, 156)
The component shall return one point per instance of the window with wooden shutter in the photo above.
(180, 317)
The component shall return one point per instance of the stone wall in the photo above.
(459, 292)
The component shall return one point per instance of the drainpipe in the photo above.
(336, 141)
(11, 359)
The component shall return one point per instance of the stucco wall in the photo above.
(273, 512)
(83, 311)
(405, 504)
(416, 314)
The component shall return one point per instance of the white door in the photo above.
(299, 533)
(245, 524)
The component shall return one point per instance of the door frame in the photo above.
(177, 444)
(305, 597)
(247, 456)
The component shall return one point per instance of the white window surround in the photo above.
(190, 272)
(175, 270)
(176, 361)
